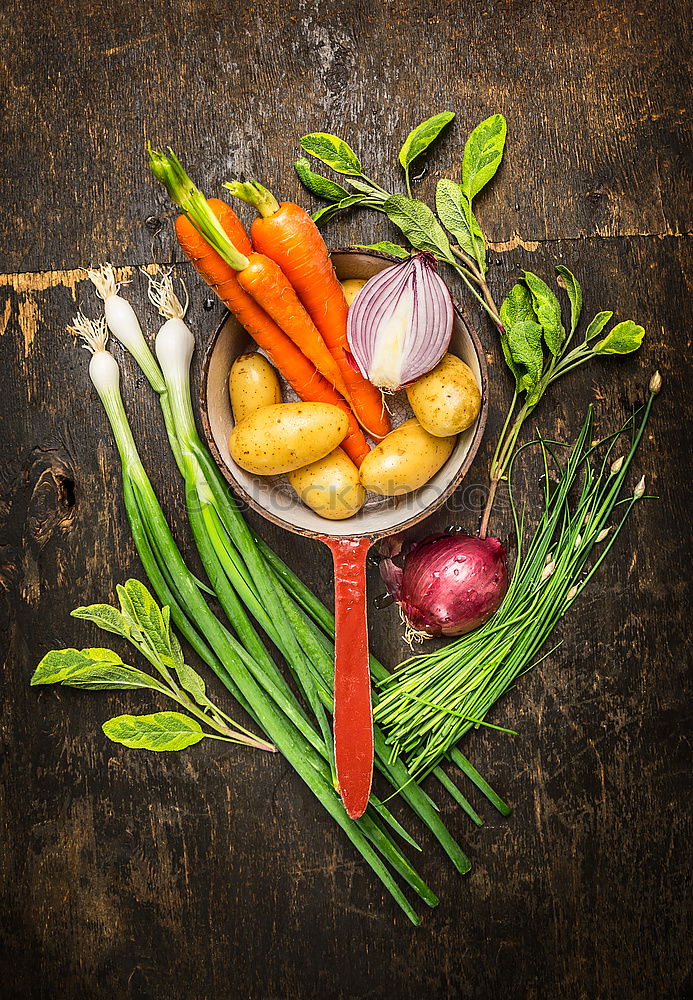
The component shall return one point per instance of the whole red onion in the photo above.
(449, 584)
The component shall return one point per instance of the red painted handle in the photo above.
(353, 718)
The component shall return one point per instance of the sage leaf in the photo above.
(112, 676)
(191, 682)
(524, 343)
(548, 311)
(517, 306)
(327, 213)
(323, 187)
(332, 151)
(385, 247)
(509, 360)
(140, 608)
(598, 324)
(483, 153)
(568, 281)
(454, 211)
(420, 138)
(622, 339)
(106, 617)
(160, 731)
(92, 668)
(99, 655)
(419, 225)
(59, 664)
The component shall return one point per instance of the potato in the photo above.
(286, 436)
(330, 486)
(404, 460)
(352, 286)
(447, 399)
(253, 383)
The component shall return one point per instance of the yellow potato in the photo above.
(286, 436)
(253, 383)
(447, 399)
(352, 286)
(404, 460)
(330, 486)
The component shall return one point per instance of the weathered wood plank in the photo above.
(595, 96)
(214, 872)
(140, 876)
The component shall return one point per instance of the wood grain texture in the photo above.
(214, 872)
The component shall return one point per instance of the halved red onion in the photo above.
(400, 324)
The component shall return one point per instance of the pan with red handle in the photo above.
(348, 540)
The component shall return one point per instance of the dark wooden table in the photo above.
(213, 873)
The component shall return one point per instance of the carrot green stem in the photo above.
(256, 195)
(189, 198)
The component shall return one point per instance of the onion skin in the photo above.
(449, 584)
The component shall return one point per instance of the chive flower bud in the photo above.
(655, 383)
(548, 571)
(617, 466)
(602, 535)
(639, 490)
(572, 593)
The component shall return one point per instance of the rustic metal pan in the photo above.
(348, 540)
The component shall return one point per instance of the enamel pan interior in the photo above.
(271, 497)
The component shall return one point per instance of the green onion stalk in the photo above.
(426, 707)
(281, 719)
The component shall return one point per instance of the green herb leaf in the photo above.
(191, 682)
(59, 664)
(420, 138)
(160, 731)
(332, 151)
(548, 312)
(568, 281)
(106, 617)
(598, 324)
(327, 213)
(323, 187)
(142, 611)
(517, 306)
(624, 338)
(454, 211)
(93, 668)
(524, 343)
(385, 247)
(112, 676)
(364, 186)
(419, 225)
(97, 654)
(482, 154)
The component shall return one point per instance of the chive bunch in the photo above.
(434, 699)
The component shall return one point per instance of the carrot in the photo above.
(287, 235)
(269, 286)
(298, 371)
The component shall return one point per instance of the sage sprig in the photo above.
(534, 337)
(147, 628)
(536, 349)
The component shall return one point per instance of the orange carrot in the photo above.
(298, 371)
(287, 235)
